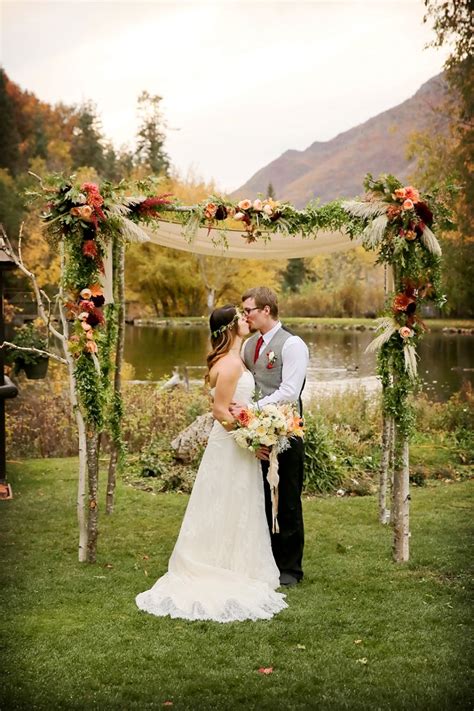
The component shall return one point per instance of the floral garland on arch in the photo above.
(88, 219)
(393, 219)
(260, 218)
(398, 224)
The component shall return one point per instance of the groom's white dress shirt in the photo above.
(295, 359)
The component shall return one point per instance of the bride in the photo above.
(222, 567)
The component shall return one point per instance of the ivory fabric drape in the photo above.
(170, 234)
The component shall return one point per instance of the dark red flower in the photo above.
(95, 317)
(89, 248)
(151, 206)
(98, 211)
(410, 287)
(221, 212)
(401, 302)
(424, 213)
(98, 300)
(86, 306)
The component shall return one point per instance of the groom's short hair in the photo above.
(263, 296)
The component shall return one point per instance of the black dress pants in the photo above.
(287, 545)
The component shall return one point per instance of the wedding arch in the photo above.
(91, 224)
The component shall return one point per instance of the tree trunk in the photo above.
(115, 450)
(211, 299)
(92, 442)
(401, 502)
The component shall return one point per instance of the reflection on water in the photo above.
(445, 359)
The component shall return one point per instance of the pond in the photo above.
(446, 359)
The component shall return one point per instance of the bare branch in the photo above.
(20, 236)
(60, 300)
(30, 172)
(5, 244)
(47, 354)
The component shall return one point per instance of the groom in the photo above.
(278, 360)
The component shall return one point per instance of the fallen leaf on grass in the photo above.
(300, 646)
(167, 703)
(357, 641)
(363, 660)
(265, 670)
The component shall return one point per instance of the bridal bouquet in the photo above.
(269, 426)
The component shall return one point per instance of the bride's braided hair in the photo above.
(223, 324)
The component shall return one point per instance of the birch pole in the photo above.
(401, 503)
(81, 426)
(115, 451)
(387, 428)
(384, 513)
(400, 456)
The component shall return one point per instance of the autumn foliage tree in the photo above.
(446, 151)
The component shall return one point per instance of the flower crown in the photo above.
(223, 328)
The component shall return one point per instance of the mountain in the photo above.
(331, 169)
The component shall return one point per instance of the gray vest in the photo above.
(267, 380)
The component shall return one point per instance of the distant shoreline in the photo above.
(462, 326)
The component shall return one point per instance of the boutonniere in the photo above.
(271, 358)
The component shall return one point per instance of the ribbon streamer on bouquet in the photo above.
(273, 480)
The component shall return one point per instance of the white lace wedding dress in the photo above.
(222, 567)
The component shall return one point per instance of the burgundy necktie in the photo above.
(257, 349)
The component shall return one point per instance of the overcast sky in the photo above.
(241, 81)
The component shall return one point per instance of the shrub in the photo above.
(322, 465)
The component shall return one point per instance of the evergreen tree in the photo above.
(295, 274)
(151, 137)
(9, 135)
(87, 142)
(271, 191)
(40, 141)
(110, 163)
(11, 204)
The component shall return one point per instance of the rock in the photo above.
(193, 439)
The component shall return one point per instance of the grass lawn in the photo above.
(360, 632)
